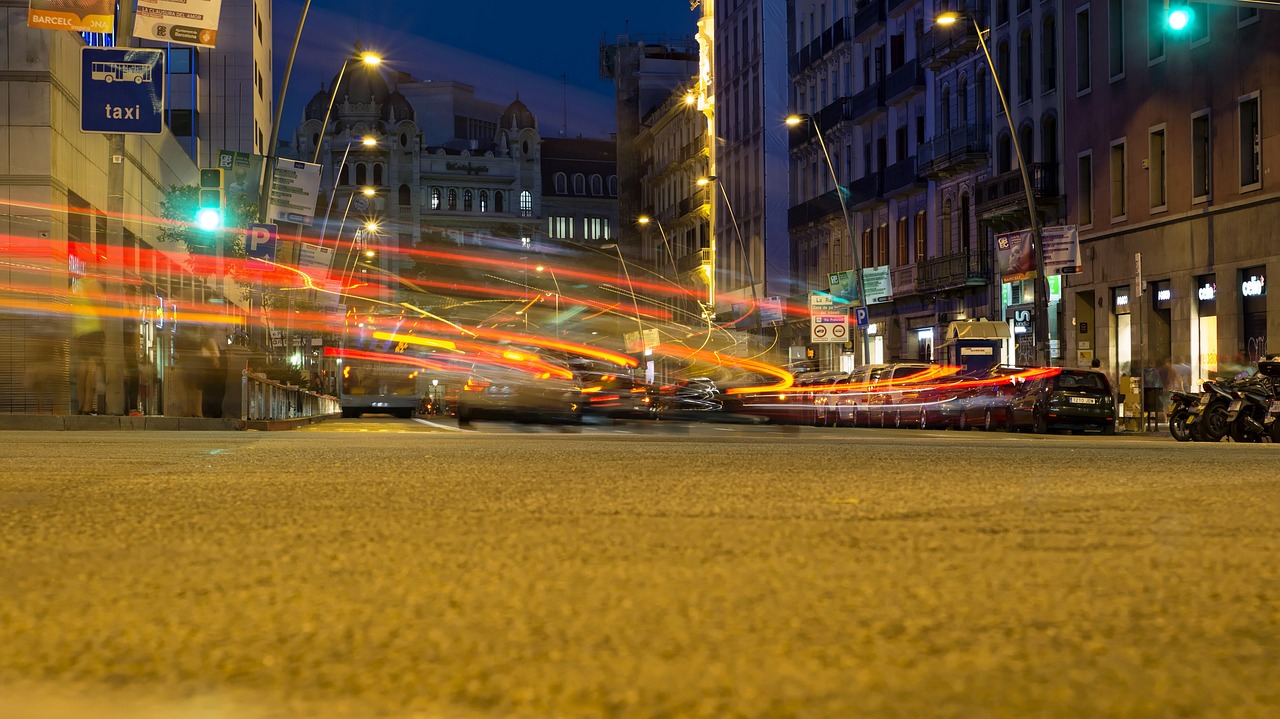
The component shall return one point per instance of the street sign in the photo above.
(294, 189)
(260, 242)
(862, 316)
(829, 326)
(122, 90)
(189, 23)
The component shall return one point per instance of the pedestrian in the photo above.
(1153, 380)
(1096, 364)
(88, 342)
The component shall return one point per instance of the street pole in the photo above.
(1041, 281)
(269, 159)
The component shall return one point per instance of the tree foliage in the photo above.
(178, 209)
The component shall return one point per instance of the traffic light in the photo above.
(1178, 16)
(212, 201)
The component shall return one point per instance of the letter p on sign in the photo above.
(260, 243)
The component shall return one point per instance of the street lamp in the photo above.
(742, 245)
(370, 60)
(367, 141)
(1041, 288)
(793, 121)
(644, 220)
(540, 268)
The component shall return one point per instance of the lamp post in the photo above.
(644, 220)
(793, 121)
(1041, 282)
(742, 245)
(367, 141)
(269, 152)
(630, 287)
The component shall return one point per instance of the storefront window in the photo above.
(1204, 350)
(1121, 339)
(1253, 297)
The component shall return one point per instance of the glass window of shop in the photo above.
(1160, 325)
(1253, 300)
(1204, 340)
(1121, 337)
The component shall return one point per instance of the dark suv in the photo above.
(1074, 399)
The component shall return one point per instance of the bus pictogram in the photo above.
(109, 72)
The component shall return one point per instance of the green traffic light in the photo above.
(1179, 18)
(209, 219)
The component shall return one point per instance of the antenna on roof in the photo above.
(564, 80)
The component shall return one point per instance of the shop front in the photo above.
(1253, 299)
(1121, 331)
(1204, 337)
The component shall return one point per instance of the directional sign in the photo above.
(260, 242)
(122, 90)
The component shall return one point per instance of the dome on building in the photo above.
(396, 108)
(517, 115)
(317, 105)
(359, 84)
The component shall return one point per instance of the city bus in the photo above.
(374, 383)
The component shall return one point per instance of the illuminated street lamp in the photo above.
(1041, 287)
(367, 141)
(644, 220)
(540, 268)
(793, 121)
(742, 245)
(369, 60)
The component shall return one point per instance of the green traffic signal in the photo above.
(209, 218)
(1179, 18)
(211, 199)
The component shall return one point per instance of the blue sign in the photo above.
(260, 242)
(122, 90)
(862, 316)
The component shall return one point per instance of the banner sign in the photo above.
(877, 282)
(243, 173)
(844, 287)
(1015, 253)
(189, 22)
(1061, 250)
(771, 311)
(78, 16)
(294, 190)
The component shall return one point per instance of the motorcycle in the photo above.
(1248, 411)
(1182, 404)
(1208, 420)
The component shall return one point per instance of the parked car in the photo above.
(1069, 399)
(886, 390)
(987, 405)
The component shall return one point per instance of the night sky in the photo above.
(534, 47)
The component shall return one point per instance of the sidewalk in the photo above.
(48, 422)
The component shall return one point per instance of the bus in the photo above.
(374, 382)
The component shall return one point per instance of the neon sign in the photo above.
(1254, 286)
(1208, 292)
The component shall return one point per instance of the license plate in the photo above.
(1235, 405)
(1204, 399)
(1082, 400)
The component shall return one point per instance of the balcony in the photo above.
(821, 46)
(1003, 196)
(690, 205)
(815, 210)
(892, 6)
(826, 119)
(959, 150)
(901, 178)
(867, 104)
(694, 261)
(904, 281)
(949, 272)
(944, 44)
(869, 16)
(866, 192)
(907, 81)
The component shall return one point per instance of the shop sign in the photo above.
(1163, 295)
(1207, 292)
(1255, 286)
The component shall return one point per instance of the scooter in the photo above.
(1208, 420)
(1249, 408)
(1182, 404)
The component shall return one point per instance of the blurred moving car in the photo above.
(519, 395)
(987, 405)
(694, 396)
(616, 396)
(1073, 399)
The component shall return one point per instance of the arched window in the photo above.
(579, 184)
(404, 139)
(377, 174)
(1024, 66)
(466, 200)
(1049, 139)
(524, 149)
(922, 240)
(904, 244)
(1026, 143)
(1003, 151)
(962, 101)
(526, 203)
(404, 196)
(498, 204)
(315, 139)
(1049, 55)
(484, 200)
(597, 187)
(945, 243)
(345, 175)
(562, 184)
(613, 185)
(362, 174)
(1002, 67)
(945, 115)
(435, 198)
(453, 199)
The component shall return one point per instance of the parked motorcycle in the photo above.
(1250, 405)
(1182, 404)
(1208, 420)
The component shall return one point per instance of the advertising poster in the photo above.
(294, 190)
(75, 15)
(877, 282)
(844, 287)
(1014, 251)
(1061, 250)
(243, 173)
(189, 22)
(771, 311)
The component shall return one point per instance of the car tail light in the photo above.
(475, 386)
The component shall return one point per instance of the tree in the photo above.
(178, 209)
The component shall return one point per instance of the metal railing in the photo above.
(264, 399)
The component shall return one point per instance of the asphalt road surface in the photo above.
(391, 568)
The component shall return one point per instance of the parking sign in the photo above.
(260, 242)
(122, 90)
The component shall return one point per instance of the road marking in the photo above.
(441, 426)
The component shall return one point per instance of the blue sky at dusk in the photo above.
(502, 47)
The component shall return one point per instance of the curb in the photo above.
(98, 423)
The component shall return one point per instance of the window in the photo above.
(597, 185)
(180, 61)
(944, 242)
(562, 183)
(1002, 63)
(1200, 156)
(484, 200)
(1049, 56)
(435, 198)
(1024, 66)
(526, 202)
(1156, 179)
(904, 243)
(613, 185)
(866, 247)
(1118, 208)
(579, 185)
(1250, 147)
(1002, 12)
(1155, 31)
(560, 227)
(1115, 39)
(1084, 189)
(466, 200)
(1200, 23)
(404, 196)
(1024, 6)
(1004, 154)
(182, 122)
(453, 199)
(499, 202)
(345, 175)
(1084, 67)
(597, 228)
(377, 174)
(1246, 16)
(921, 240)
(883, 246)
(362, 174)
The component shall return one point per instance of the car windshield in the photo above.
(1087, 380)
